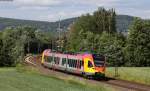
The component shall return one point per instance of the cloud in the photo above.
(59, 2)
(99, 2)
(33, 8)
(71, 14)
(135, 12)
(45, 4)
(52, 10)
(37, 2)
(60, 15)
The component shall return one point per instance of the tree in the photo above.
(8, 43)
(138, 44)
(1, 48)
(104, 20)
(111, 45)
(39, 36)
(29, 33)
(15, 43)
(84, 33)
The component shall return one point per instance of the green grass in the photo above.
(13, 80)
(135, 74)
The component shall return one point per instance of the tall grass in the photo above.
(135, 74)
(15, 79)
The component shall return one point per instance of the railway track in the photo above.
(129, 85)
(121, 84)
(29, 59)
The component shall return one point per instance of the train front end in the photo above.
(99, 65)
(94, 65)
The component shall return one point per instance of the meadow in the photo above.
(13, 80)
(135, 74)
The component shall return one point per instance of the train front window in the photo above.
(99, 60)
(90, 64)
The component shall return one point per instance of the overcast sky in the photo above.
(52, 10)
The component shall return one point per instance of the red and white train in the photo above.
(85, 64)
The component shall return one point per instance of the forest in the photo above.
(92, 33)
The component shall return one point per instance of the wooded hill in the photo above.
(123, 22)
(42, 25)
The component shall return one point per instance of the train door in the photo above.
(78, 66)
(88, 66)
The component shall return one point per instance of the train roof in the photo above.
(48, 52)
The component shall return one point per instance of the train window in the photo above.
(46, 59)
(75, 64)
(99, 60)
(90, 64)
(63, 61)
(72, 63)
(56, 60)
(50, 59)
(80, 64)
(69, 62)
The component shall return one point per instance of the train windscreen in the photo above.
(99, 60)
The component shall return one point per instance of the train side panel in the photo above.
(73, 65)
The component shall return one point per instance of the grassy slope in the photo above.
(12, 80)
(136, 74)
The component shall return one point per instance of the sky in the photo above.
(53, 10)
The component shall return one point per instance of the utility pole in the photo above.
(59, 36)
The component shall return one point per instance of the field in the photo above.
(13, 80)
(135, 74)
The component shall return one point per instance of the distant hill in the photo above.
(123, 22)
(42, 25)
